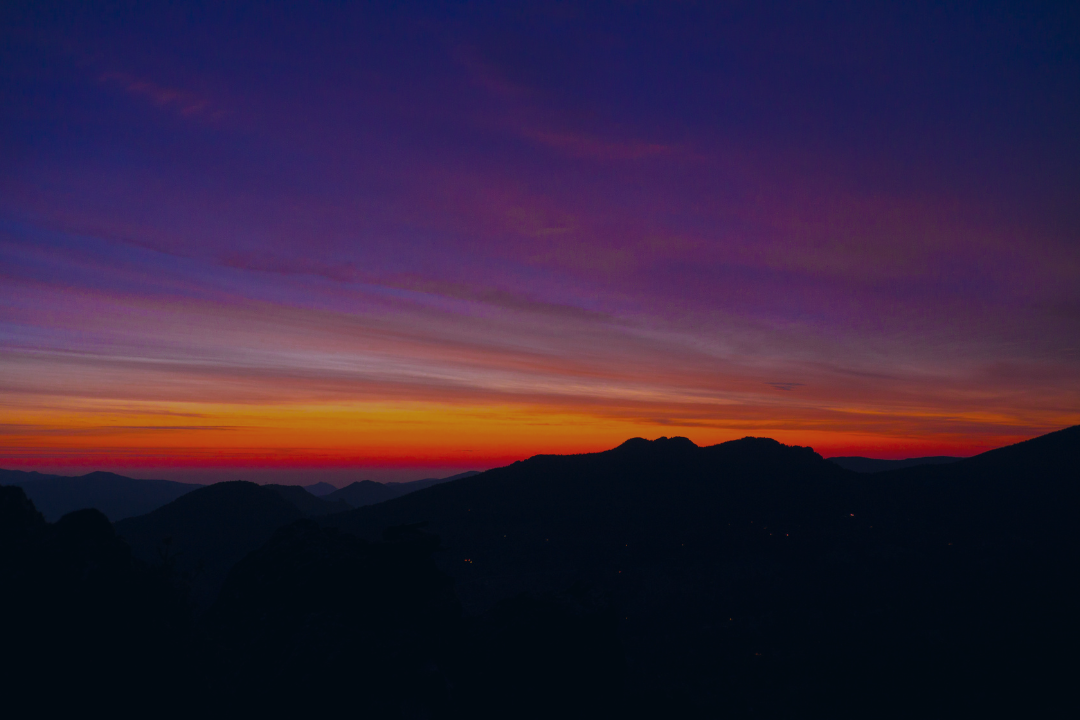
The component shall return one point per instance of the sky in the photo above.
(394, 240)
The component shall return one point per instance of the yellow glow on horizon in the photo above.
(379, 433)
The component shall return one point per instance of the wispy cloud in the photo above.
(785, 385)
(183, 101)
(523, 112)
(552, 242)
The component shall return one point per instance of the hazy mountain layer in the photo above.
(320, 489)
(369, 492)
(116, 496)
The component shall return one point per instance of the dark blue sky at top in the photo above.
(958, 97)
(327, 107)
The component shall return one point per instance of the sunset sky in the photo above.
(306, 241)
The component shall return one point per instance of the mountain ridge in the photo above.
(208, 531)
(749, 578)
(116, 496)
(802, 557)
(369, 492)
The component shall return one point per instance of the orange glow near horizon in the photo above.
(97, 434)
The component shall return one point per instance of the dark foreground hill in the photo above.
(86, 626)
(756, 578)
(116, 496)
(318, 622)
(313, 623)
(206, 532)
(872, 465)
(658, 579)
(555, 519)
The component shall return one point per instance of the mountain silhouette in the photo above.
(872, 465)
(207, 531)
(314, 608)
(656, 579)
(364, 492)
(551, 518)
(307, 503)
(120, 497)
(320, 489)
(20, 477)
(369, 492)
(85, 624)
(756, 577)
(116, 496)
(1023, 493)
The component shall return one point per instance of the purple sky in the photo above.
(404, 237)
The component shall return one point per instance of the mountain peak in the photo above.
(320, 489)
(98, 475)
(661, 443)
(764, 452)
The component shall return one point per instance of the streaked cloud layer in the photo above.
(456, 236)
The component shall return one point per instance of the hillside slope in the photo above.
(769, 577)
(307, 503)
(208, 531)
(369, 492)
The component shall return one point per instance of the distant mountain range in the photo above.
(118, 497)
(368, 492)
(209, 530)
(873, 465)
(320, 489)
